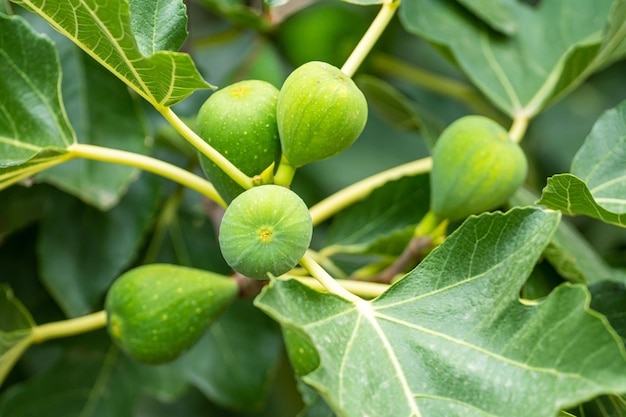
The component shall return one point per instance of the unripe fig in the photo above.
(265, 230)
(156, 312)
(239, 121)
(476, 167)
(320, 113)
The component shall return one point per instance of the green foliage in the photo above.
(524, 72)
(596, 186)
(36, 130)
(330, 30)
(362, 304)
(437, 351)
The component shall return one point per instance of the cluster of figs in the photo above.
(156, 312)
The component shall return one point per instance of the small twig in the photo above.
(415, 251)
(248, 287)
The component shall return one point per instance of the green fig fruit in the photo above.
(239, 121)
(156, 312)
(320, 113)
(265, 230)
(476, 167)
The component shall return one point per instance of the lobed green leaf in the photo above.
(102, 112)
(235, 363)
(16, 326)
(103, 244)
(597, 185)
(498, 14)
(80, 383)
(600, 162)
(382, 223)
(573, 257)
(571, 195)
(558, 44)
(129, 50)
(452, 338)
(34, 130)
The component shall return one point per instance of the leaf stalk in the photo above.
(70, 327)
(518, 128)
(147, 163)
(207, 150)
(361, 288)
(326, 280)
(333, 204)
(371, 36)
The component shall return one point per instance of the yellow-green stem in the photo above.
(66, 328)
(370, 37)
(518, 128)
(360, 288)
(206, 149)
(324, 278)
(149, 164)
(30, 171)
(359, 190)
(429, 225)
(285, 172)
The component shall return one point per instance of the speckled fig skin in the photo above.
(265, 230)
(476, 168)
(320, 113)
(239, 121)
(156, 312)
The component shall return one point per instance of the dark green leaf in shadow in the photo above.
(392, 105)
(615, 32)
(239, 12)
(398, 109)
(603, 406)
(16, 326)
(90, 378)
(452, 338)
(236, 361)
(185, 233)
(104, 113)
(577, 260)
(20, 207)
(609, 298)
(34, 130)
(82, 249)
(264, 63)
(382, 223)
(315, 404)
(498, 14)
(558, 44)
